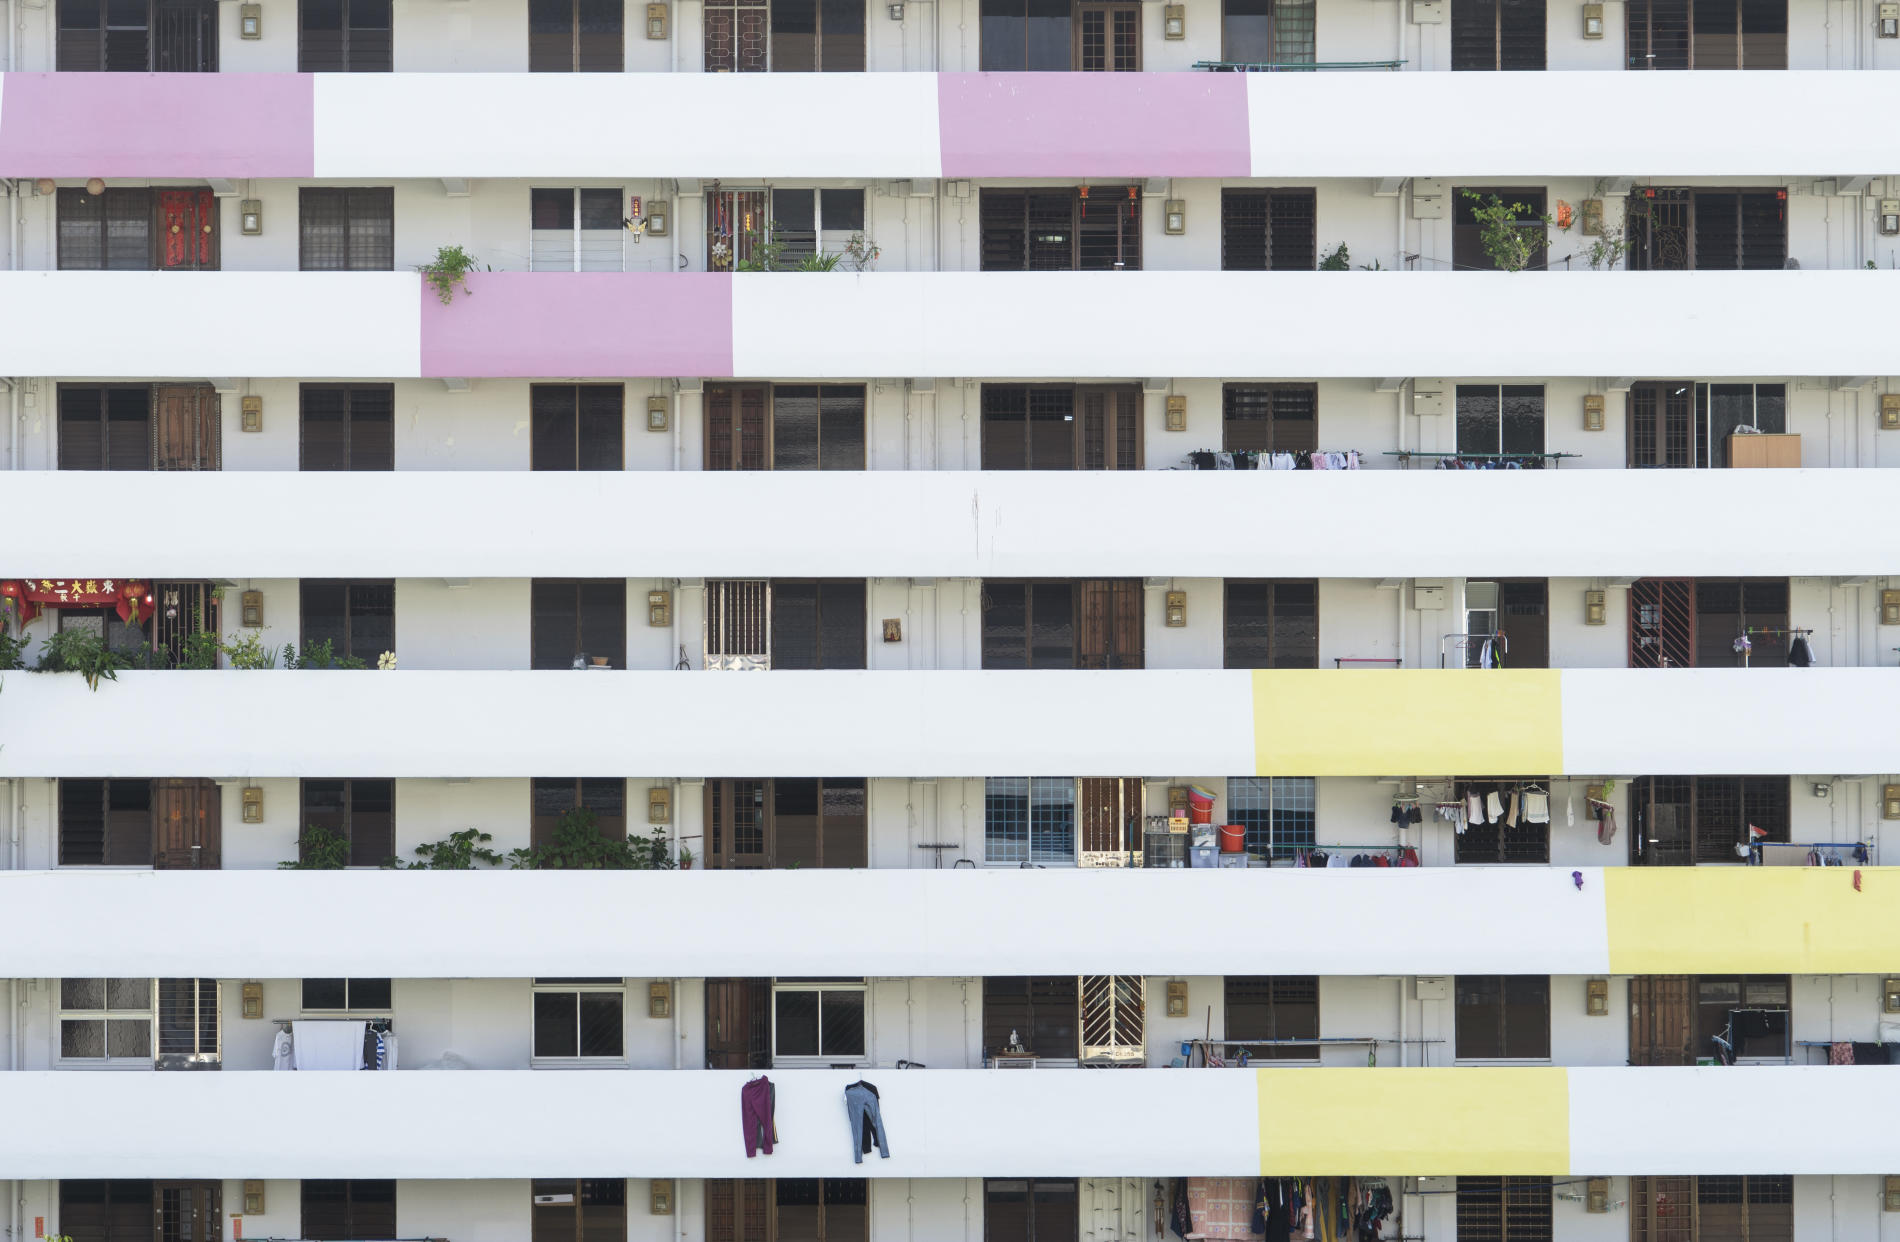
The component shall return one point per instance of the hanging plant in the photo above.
(448, 272)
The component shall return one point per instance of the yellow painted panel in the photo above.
(1761, 920)
(1414, 1122)
(1331, 722)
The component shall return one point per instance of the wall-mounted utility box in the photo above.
(1428, 195)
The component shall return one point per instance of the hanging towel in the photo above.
(1537, 808)
(1840, 1053)
(1570, 808)
(280, 1052)
(328, 1045)
(1474, 808)
(1493, 807)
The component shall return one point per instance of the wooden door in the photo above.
(739, 832)
(1662, 1020)
(738, 1209)
(738, 1024)
(1524, 620)
(1108, 37)
(1111, 815)
(1662, 623)
(737, 430)
(186, 825)
(187, 1211)
(1108, 433)
(187, 231)
(185, 428)
(1662, 1209)
(1662, 426)
(1108, 623)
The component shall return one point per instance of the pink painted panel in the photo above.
(1093, 124)
(228, 125)
(584, 324)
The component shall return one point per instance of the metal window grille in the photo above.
(1279, 812)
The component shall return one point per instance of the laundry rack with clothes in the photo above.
(1820, 853)
(1277, 1209)
(1800, 653)
(1221, 1053)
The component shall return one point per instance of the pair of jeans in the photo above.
(866, 1118)
(756, 1101)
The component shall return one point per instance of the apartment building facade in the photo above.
(725, 480)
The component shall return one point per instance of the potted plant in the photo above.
(686, 859)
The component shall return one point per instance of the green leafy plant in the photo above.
(768, 251)
(448, 272)
(82, 652)
(319, 654)
(1338, 261)
(249, 652)
(319, 849)
(200, 650)
(686, 859)
(1503, 230)
(459, 851)
(12, 646)
(577, 845)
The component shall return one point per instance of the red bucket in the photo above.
(1200, 814)
(1233, 838)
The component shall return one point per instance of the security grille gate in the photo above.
(1662, 623)
(738, 624)
(1112, 1009)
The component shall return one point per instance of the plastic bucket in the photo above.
(1233, 838)
(1200, 814)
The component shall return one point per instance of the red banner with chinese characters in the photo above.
(33, 595)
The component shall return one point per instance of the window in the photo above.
(1502, 420)
(1698, 622)
(343, 36)
(1678, 424)
(579, 1210)
(785, 427)
(1503, 1017)
(1274, 1007)
(580, 1019)
(807, 222)
(138, 230)
(1467, 240)
(576, 36)
(347, 426)
(124, 637)
(1268, 230)
(1272, 624)
(1711, 1209)
(786, 822)
(1497, 34)
(1707, 230)
(818, 624)
(1723, 34)
(1061, 427)
(346, 230)
(1042, 1210)
(105, 823)
(119, 1210)
(817, 1018)
(1518, 609)
(346, 996)
(785, 36)
(785, 624)
(578, 426)
(188, 1024)
(357, 619)
(574, 230)
(1504, 1209)
(1092, 623)
(605, 797)
(1277, 811)
(1029, 819)
(105, 1020)
(574, 622)
(105, 427)
(138, 36)
(788, 1209)
(1742, 1017)
(1267, 32)
(1092, 229)
(1270, 418)
(1040, 1009)
(1499, 839)
(1060, 35)
(360, 1208)
(1679, 821)
(363, 812)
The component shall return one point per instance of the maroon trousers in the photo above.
(756, 1100)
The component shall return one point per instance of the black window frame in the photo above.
(362, 598)
(1273, 1007)
(124, 1209)
(1009, 220)
(1467, 248)
(838, 634)
(606, 53)
(1298, 651)
(1469, 410)
(1278, 417)
(549, 998)
(371, 405)
(1070, 594)
(374, 996)
(1269, 230)
(1057, 1221)
(595, 431)
(1481, 1020)
(113, 453)
(1283, 823)
(347, 1209)
(1290, 30)
(153, 57)
(1666, 39)
(597, 603)
(1498, 35)
(369, 828)
(596, 1211)
(359, 48)
(1504, 1209)
(361, 209)
(1043, 1010)
(1491, 842)
(570, 793)
(75, 800)
(77, 211)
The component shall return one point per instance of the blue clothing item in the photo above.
(866, 1118)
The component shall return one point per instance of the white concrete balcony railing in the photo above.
(954, 923)
(902, 723)
(956, 524)
(954, 125)
(958, 1123)
(788, 325)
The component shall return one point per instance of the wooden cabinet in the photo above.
(1762, 452)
